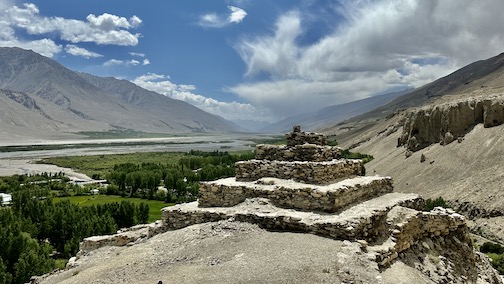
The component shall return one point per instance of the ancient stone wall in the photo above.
(288, 194)
(307, 172)
(297, 137)
(124, 237)
(401, 222)
(366, 224)
(418, 225)
(304, 152)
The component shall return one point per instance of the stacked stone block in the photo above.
(296, 137)
(305, 158)
(304, 152)
(289, 194)
(307, 172)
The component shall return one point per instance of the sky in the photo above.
(260, 60)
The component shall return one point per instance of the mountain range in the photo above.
(37, 93)
(332, 114)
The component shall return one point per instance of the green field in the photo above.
(103, 164)
(155, 206)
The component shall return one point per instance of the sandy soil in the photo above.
(9, 167)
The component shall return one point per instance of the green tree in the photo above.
(33, 260)
(142, 213)
(5, 277)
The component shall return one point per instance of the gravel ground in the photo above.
(225, 252)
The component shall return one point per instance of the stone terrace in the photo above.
(307, 172)
(292, 194)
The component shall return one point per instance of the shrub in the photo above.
(489, 247)
(356, 155)
(438, 202)
(498, 263)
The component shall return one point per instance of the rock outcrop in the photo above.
(444, 123)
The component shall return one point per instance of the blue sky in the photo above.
(257, 59)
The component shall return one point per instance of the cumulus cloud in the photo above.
(214, 20)
(79, 51)
(378, 46)
(110, 22)
(105, 29)
(229, 110)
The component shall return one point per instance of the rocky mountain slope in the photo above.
(449, 149)
(481, 77)
(446, 122)
(332, 114)
(46, 95)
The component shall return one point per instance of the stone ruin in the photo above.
(307, 187)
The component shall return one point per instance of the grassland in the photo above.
(102, 164)
(88, 200)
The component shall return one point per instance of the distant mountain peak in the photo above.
(90, 103)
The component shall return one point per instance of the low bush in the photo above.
(489, 247)
(438, 202)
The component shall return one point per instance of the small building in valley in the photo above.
(5, 199)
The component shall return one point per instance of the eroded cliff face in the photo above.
(444, 123)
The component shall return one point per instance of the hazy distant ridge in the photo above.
(39, 93)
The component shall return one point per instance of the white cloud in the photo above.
(79, 51)
(110, 22)
(228, 110)
(137, 54)
(117, 62)
(237, 15)
(130, 62)
(103, 29)
(46, 47)
(213, 20)
(380, 45)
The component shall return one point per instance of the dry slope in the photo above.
(466, 171)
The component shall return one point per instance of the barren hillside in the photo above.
(38, 95)
(467, 171)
